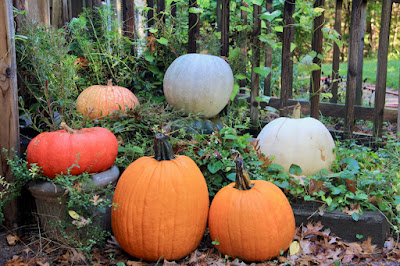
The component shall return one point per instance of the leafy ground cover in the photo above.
(369, 71)
(313, 244)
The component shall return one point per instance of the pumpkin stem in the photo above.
(297, 111)
(162, 148)
(242, 181)
(67, 128)
(109, 83)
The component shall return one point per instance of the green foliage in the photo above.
(48, 74)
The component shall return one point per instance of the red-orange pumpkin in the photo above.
(97, 101)
(251, 219)
(161, 205)
(89, 150)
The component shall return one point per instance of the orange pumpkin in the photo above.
(89, 150)
(161, 205)
(251, 219)
(97, 101)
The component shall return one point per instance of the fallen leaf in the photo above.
(12, 239)
(73, 214)
(294, 248)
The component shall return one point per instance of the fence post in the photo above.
(287, 56)
(194, 28)
(380, 86)
(150, 13)
(352, 69)
(316, 45)
(255, 78)
(359, 78)
(160, 11)
(268, 53)
(225, 28)
(243, 44)
(9, 118)
(398, 111)
(38, 10)
(336, 52)
(130, 23)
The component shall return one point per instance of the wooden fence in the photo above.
(58, 12)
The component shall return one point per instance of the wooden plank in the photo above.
(316, 45)
(255, 78)
(355, 31)
(76, 7)
(219, 14)
(225, 28)
(359, 78)
(334, 109)
(38, 10)
(336, 52)
(194, 28)
(243, 45)
(150, 13)
(381, 70)
(268, 52)
(160, 11)
(57, 14)
(130, 24)
(9, 121)
(287, 56)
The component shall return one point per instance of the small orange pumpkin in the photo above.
(161, 205)
(251, 219)
(89, 150)
(97, 101)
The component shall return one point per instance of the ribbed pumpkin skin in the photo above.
(93, 149)
(304, 141)
(162, 208)
(198, 83)
(254, 224)
(97, 101)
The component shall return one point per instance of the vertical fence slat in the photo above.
(225, 28)
(355, 31)
(38, 10)
(360, 58)
(219, 14)
(9, 137)
(150, 13)
(160, 10)
(380, 86)
(243, 44)
(287, 56)
(57, 14)
(130, 24)
(398, 111)
(173, 9)
(336, 52)
(268, 53)
(194, 28)
(255, 78)
(316, 45)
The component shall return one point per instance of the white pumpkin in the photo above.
(302, 141)
(198, 83)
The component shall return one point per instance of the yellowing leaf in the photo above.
(73, 214)
(319, 9)
(294, 248)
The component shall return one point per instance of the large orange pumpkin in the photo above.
(161, 205)
(251, 219)
(97, 101)
(89, 150)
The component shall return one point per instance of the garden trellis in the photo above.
(59, 12)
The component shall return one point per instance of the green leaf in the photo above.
(240, 76)
(195, 10)
(214, 167)
(228, 136)
(294, 169)
(149, 58)
(153, 30)
(263, 98)
(262, 71)
(257, 2)
(355, 216)
(271, 16)
(278, 28)
(163, 41)
(234, 91)
(319, 9)
(231, 176)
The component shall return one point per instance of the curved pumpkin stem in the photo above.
(109, 83)
(63, 125)
(297, 111)
(242, 181)
(162, 149)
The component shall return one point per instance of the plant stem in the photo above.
(243, 181)
(67, 128)
(162, 148)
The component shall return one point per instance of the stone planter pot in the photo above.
(50, 202)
